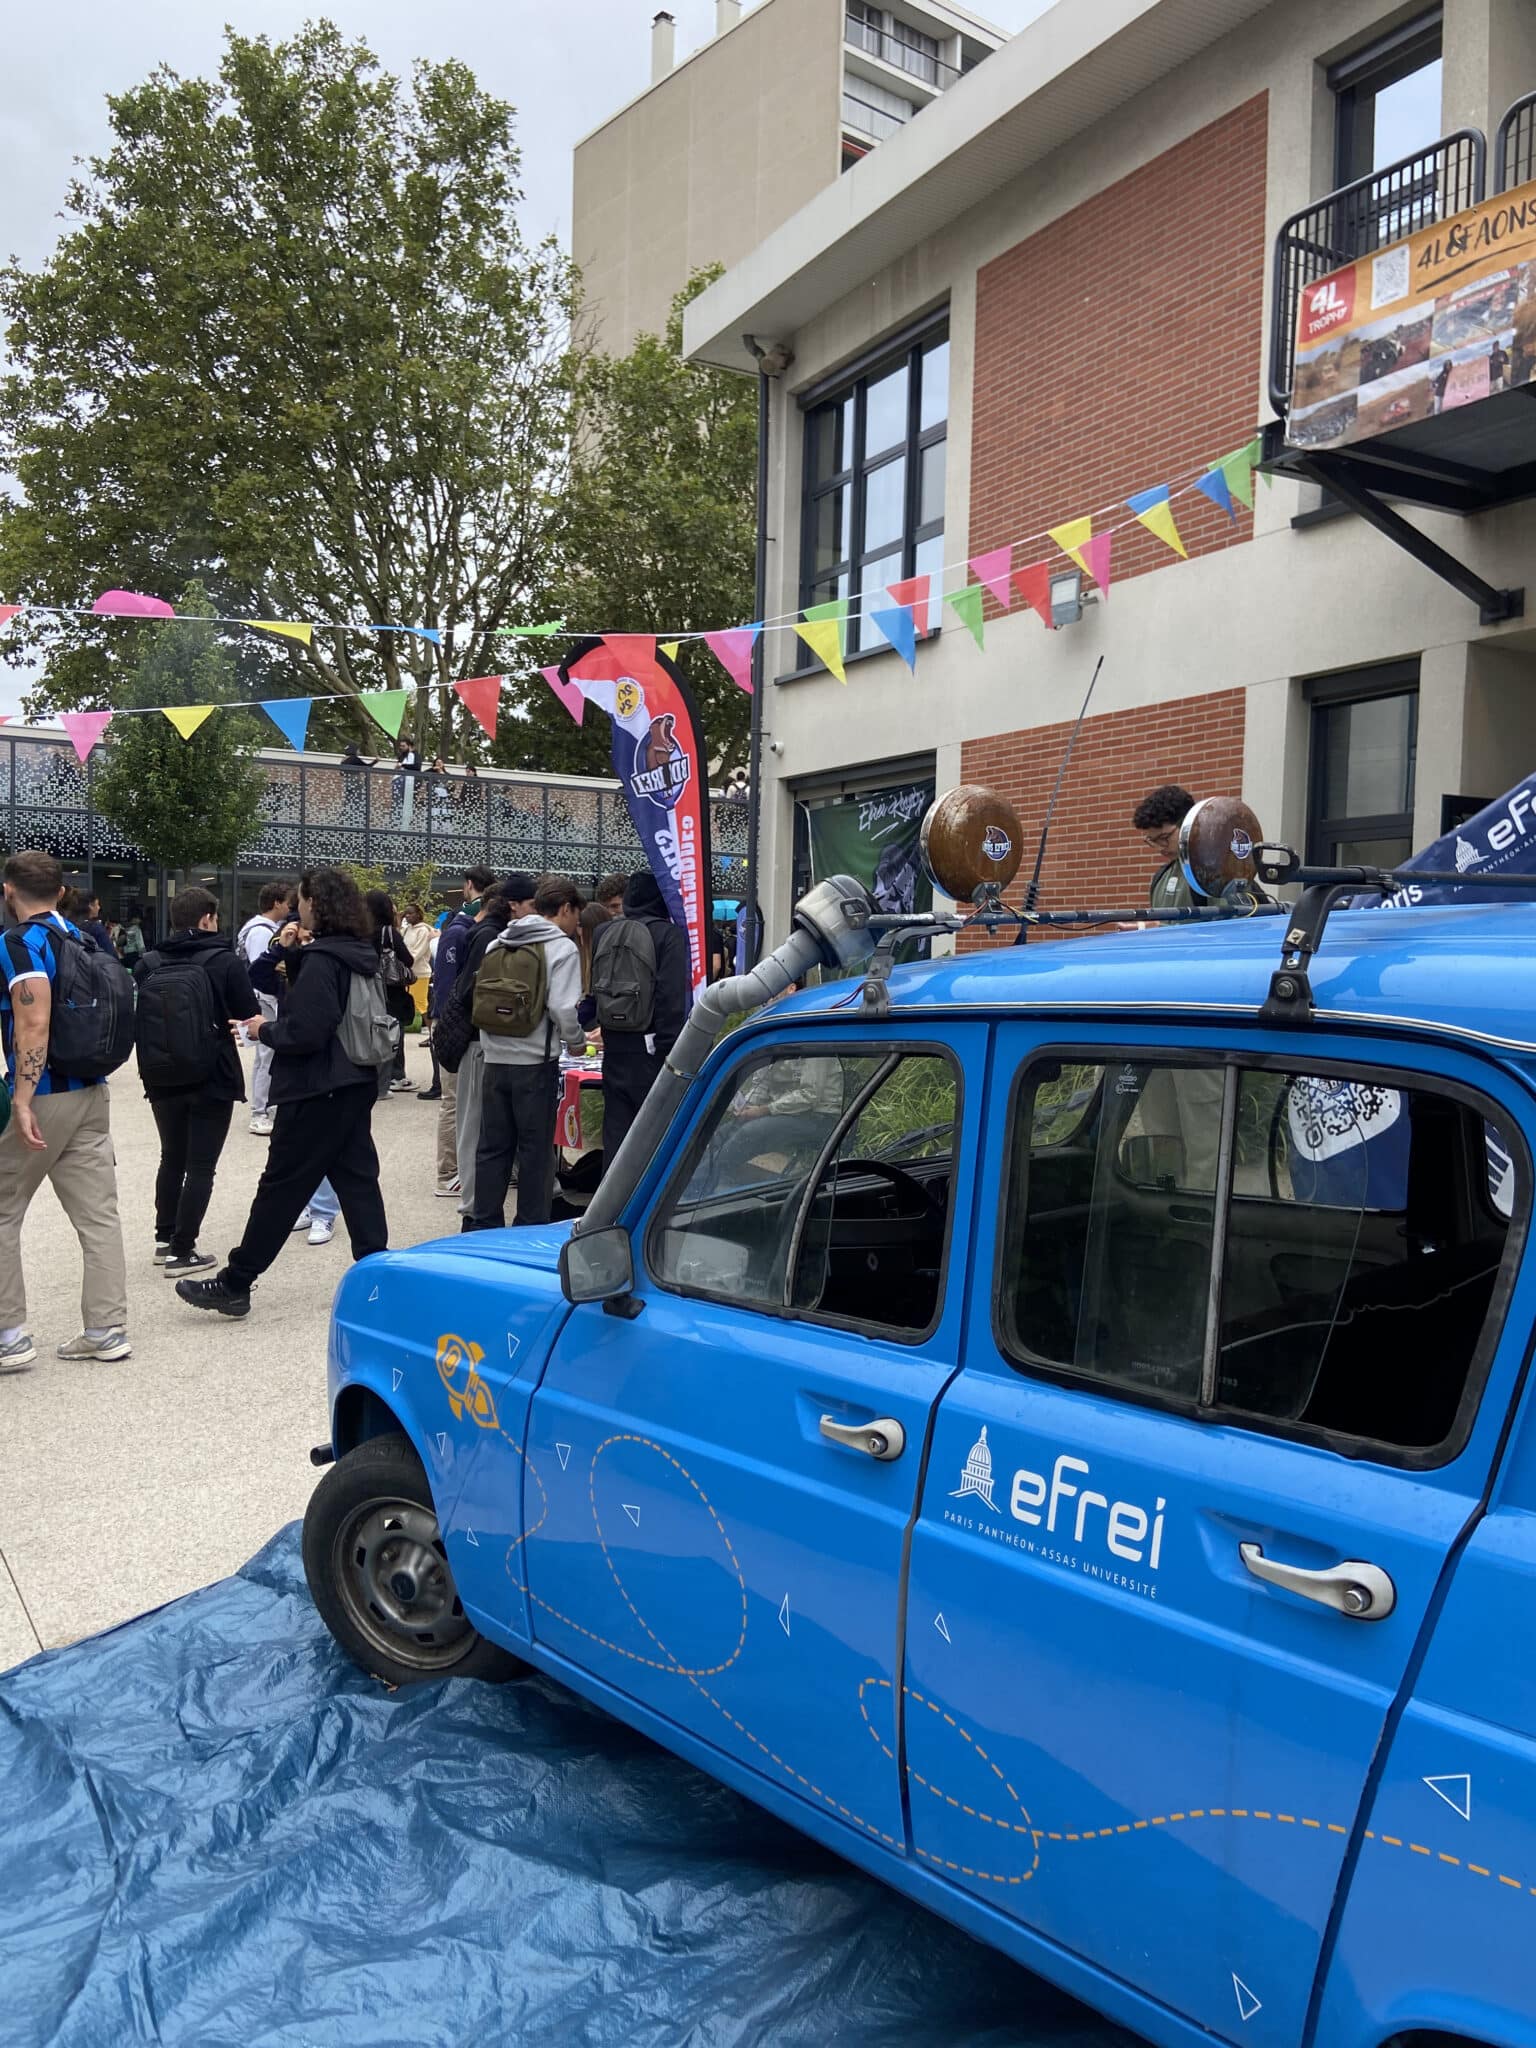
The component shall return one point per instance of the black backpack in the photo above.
(624, 975)
(90, 1024)
(181, 1032)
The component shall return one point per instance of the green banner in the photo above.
(874, 838)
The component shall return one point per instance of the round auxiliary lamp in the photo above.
(972, 841)
(1218, 844)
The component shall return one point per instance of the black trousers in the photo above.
(192, 1133)
(628, 1071)
(517, 1121)
(325, 1137)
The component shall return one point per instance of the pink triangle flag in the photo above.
(733, 650)
(993, 569)
(8, 612)
(85, 728)
(1096, 556)
(132, 604)
(568, 693)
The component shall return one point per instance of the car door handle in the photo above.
(1361, 1591)
(883, 1439)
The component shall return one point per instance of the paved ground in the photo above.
(122, 1486)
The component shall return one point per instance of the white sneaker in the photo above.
(261, 1124)
(446, 1188)
(18, 1354)
(110, 1346)
(303, 1220)
(322, 1230)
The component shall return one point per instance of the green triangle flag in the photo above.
(836, 609)
(541, 632)
(966, 606)
(387, 708)
(1237, 468)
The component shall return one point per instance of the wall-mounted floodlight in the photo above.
(1067, 597)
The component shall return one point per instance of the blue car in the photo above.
(1059, 1440)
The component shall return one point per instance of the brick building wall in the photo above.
(1094, 859)
(1120, 347)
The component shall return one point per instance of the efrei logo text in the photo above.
(1064, 1506)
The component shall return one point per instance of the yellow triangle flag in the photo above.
(1158, 519)
(669, 649)
(824, 637)
(287, 627)
(187, 717)
(1070, 537)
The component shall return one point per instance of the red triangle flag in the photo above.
(633, 650)
(8, 612)
(1034, 586)
(912, 591)
(480, 696)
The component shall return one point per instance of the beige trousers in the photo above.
(447, 1135)
(80, 1162)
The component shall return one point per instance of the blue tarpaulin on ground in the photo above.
(214, 1830)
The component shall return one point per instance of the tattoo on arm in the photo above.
(24, 994)
(30, 1068)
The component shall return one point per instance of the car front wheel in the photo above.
(379, 1574)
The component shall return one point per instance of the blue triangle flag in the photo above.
(291, 717)
(1143, 501)
(1214, 485)
(900, 628)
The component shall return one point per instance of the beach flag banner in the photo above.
(570, 696)
(1156, 515)
(1034, 586)
(900, 628)
(291, 717)
(1214, 486)
(187, 717)
(966, 605)
(1095, 553)
(993, 570)
(733, 650)
(480, 696)
(132, 604)
(387, 708)
(85, 728)
(288, 628)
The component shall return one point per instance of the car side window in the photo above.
(818, 1185)
(1360, 1246)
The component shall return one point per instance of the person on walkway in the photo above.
(397, 970)
(191, 988)
(318, 1217)
(610, 894)
(531, 976)
(452, 938)
(1157, 818)
(274, 908)
(60, 1130)
(491, 919)
(324, 1099)
(93, 928)
(634, 1048)
(131, 944)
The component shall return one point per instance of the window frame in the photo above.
(907, 348)
(824, 1046)
(1384, 61)
(1329, 693)
(1360, 1449)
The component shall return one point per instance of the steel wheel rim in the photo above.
(397, 1587)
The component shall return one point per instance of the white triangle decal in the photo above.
(942, 1626)
(398, 1377)
(563, 1452)
(1455, 1790)
(633, 1513)
(512, 1344)
(784, 1614)
(1247, 2004)
(442, 1443)
(471, 1539)
(375, 1295)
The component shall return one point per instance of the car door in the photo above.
(1122, 1729)
(708, 1531)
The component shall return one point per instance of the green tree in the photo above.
(183, 801)
(293, 345)
(658, 533)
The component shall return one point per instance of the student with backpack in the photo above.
(191, 988)
(524, 1007)
(641, 978)
(328, 1046)
(274, 907)
(396, 971)
(66, 1022)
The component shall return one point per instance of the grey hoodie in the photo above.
(564, 963)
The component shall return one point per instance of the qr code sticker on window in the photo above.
(1389, 276)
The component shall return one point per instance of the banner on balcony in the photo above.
(1434, 322)
(659, 758)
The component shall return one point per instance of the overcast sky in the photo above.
(565, 66)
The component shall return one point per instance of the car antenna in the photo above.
(1050, 810)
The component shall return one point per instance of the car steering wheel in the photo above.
(897, 1176)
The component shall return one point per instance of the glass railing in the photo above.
(915, 59)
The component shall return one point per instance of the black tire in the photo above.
(380, 1577)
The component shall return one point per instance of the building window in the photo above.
(1387, 99)
(1364, 744)
(874, 485)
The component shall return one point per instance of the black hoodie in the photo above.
(233, 996)
(643, 900)
(307, 1059)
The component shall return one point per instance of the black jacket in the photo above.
(399, 1002)
(233, 996)
(674, 966)
(307, 1058)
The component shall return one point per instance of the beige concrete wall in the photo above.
(706, 163)
(1289, 605)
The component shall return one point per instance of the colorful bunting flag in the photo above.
(1237, 468)
(290, 629)
(568, 693)
(1096, 559)
(480, 696)
(966, 606)
(387, 708)
(8, 612)
(1070, 538)
(187, 717)
(291, 717)
(835, 610)
(1214, 486)
(85, 728)
(543, 632)
(634, 650)
(824, 636)
(132, 604)
(733, 650)
(913, 591)
(669, 649)
(900, 628)
(422, 632)
(994, 569)
(1156, 515)
(1034, 586)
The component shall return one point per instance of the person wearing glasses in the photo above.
(1157, 818)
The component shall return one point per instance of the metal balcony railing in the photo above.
(912, 58)
(1385, 207)
(1514, 146)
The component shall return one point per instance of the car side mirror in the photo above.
(597, 1267)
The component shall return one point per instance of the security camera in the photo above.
(775, 746)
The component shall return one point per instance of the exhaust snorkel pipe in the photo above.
(831, 929)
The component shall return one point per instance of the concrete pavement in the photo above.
(123, 1486)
